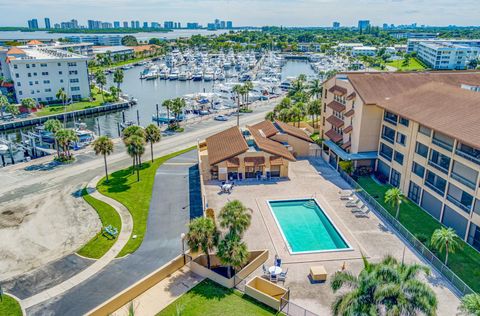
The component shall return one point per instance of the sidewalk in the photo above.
(122, 239)
(162, 294)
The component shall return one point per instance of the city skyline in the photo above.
(288, 13)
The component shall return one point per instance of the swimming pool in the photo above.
(305, 227)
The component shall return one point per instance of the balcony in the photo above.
(442, 144)
(463, 181)
(334, 136)
(438, 167)
(465, 208)
(468, 156)
(388, 139)
(336, 106)
(335, 121)
(390, 120)
(385, 155)
(434, 188)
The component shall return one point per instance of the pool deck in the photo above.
(366, 234)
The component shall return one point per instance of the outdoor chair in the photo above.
(273, 278)
(354, 203)
(362, 209)
(278, 262)
(265, 271)
(283, 276)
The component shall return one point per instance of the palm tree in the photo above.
(178, 105)
(118, 79)
(3, 104)
(132, 130)
(237, 89)
(103, 145)
(232, 252)
(52, 126)
(65, 138)
(101, 81)
(12, 109)
(168, 105)
(446, 238)
(297, 112)
(135, 149)
(28, 103)
(394, 197)
(152, 135)
(470, 305)
(388, 286)
(247, 87)
(235, 217)
(62, 96)
(202, 235)
(315, 88)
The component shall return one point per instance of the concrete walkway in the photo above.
(162, 294)
(122, 239)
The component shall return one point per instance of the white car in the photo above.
(221, 118)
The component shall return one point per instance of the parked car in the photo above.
(221, 118)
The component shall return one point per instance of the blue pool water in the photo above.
(305, 226)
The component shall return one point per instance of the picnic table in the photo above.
(110, 230)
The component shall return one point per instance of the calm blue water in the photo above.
(306, 227)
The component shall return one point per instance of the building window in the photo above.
(386, 151)
(59, 64)
(425, 130)
(465, 175)
(43, 65)
(73, 72)
(401, 139)
(60, 73)
(439, 161)
(48, 90)
(435, 182)
(418, 169)
(395, 178)
(468, 153)
(460, 198)
(74, 80)
(30, 83)
(388, 134)
(72, 64)
(414, 192)
(46, 81)
(33, 65)
(443, 141)
(390, 117)
(19, 84)
(45, 73)
(34, 73)
(75, 89)
(20, 92)
(17, 76)
(29, 75)
(398, 157)
(27, 65)
(404, 121)
(421, 149)
(15, 66)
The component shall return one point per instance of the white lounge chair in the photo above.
(354, 203)
(362, 210)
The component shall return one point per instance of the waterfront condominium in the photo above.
(445, 54)
(418, 131)
(40, 72)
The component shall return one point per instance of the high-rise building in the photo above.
(33, 24)
(155, 25)
(211, 26)
(116, 24)
(47, 23)
(222, 24)
(56, 25)
(229, 25)
(192, 25)
(132, 24)
(336, 25)
(125, 24)
(217, 23)
(145, 25)
(94, 25)
(179, 25)
(106, 25)
(137, 24)
(168, 24)
(385, 26)
(363, 25)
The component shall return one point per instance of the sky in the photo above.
(246, 12)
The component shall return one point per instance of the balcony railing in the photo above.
(468, 156)
(438, 167)
(442, 144)
(459, 204)
(388, 139)
(434, 188)
(463, 180)
(390, 120)
(386, 156)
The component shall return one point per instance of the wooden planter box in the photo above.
(265, 291)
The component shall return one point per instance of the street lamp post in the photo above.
(182, 237)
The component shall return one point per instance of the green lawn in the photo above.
(413, 64)
(124, 188)
(9, 306)
(465, 262)
(209, 298)
(100, 244)
(93, 70)
(59, 108)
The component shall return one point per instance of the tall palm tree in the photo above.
(168, 105)
(65, 138)
(103, 145)
(235, 217)
(446, 239)
(135, 149)
(177, 108)
(62, 96)
(238, 89)
(132, 130)
(28, 103)
(101, 81)
(470, 305)
(284, 115)
(152, 135)
(3, 104)
(202, 235)
(297, 112)
(247, 87)
(52, 126)
(394, 197)
(388, 286)
(232, 252)
(118, 79)
(315, 88)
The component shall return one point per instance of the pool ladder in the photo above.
(309, 204)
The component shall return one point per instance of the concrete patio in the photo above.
(366, 234)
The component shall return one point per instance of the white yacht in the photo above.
(174, 74)
(208, 75)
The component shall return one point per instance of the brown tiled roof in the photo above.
(293, 131)
(351, 96)
(226, 144)
(142, 48)
(336, 106)
(15, 51)
(348, 129)
(434, 99)
(338, 90)
(267, 128)
(347, 145)
(233, 162)
(270, 146)
(254, 161)
(334, 136)
(34, 42)
(335, 121)
(349, 112)
(276, 161)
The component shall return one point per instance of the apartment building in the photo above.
(104, 40)
(39, 72)
(445, 54)
(419, 131)
(364, 51)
